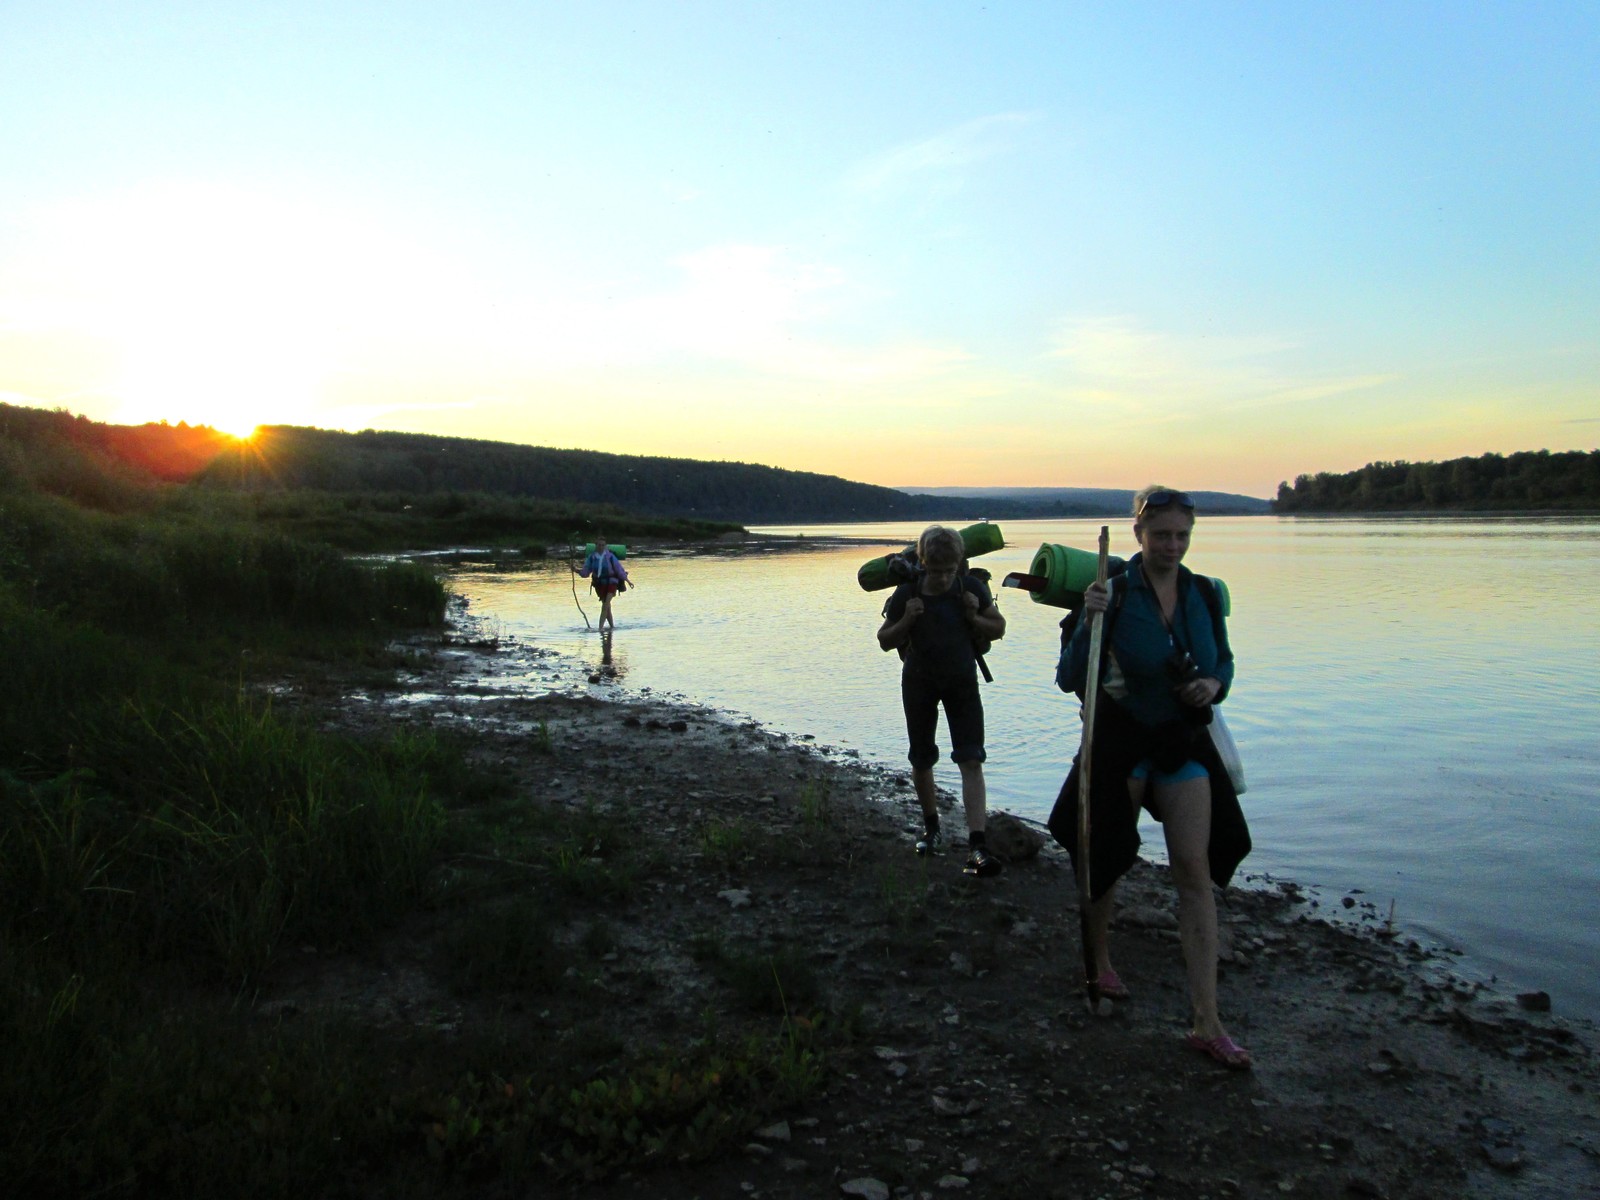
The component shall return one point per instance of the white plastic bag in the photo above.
(1227, 750)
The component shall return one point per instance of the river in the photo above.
(1417, 700)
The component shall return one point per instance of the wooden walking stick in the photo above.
(1098, 1004)
(572, 551)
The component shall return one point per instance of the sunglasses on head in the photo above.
(1163, 499)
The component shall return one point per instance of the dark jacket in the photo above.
(1121, 741)
(1119, 744)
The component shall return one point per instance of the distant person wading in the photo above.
(607, 576)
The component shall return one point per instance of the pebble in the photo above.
(1502, 1158)
(1147, 916)
(866, 1188)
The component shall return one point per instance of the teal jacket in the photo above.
(1143, 646)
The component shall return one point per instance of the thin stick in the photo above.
(572, 550)
(1091, 696)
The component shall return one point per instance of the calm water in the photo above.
(1417, 702)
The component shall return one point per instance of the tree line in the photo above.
(1527, 480)
(400, 463)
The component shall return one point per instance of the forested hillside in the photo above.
(1533, 480)
(291, 457)
(149, 471)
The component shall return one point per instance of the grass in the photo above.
(904, 895)
(776, 979)
(112, 1102)
(507, 947)
(725, 844)
(816, 805)
(168, 837)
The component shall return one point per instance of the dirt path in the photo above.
(979, 1071)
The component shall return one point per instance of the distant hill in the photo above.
(1086, 502)
(288, 457)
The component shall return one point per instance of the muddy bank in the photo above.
(973, 1067)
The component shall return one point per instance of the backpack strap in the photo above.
(1208, 593)
(1117, 585)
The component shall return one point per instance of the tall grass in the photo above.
(166, 833)
(169, 577)
(209, 834)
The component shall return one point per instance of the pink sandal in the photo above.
(1110, 985)
(1221, 1049)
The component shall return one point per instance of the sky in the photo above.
(1019, 244)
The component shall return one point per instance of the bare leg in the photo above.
(1186, 807)
(974, 796)
(1101, 909)
(1100, 929)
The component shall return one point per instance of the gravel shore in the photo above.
(975, 1068)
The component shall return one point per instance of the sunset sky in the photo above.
(1074, 244)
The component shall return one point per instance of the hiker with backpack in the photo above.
(607, 576)
(1166, 661)
(941, 620)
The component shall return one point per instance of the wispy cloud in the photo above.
(949, 151)
(748, 306)
(1115, 361)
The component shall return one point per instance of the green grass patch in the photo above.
(105, 1095)
(773, 980)
(816, 804)
(726, 843)
(903, 893)
(510, 947)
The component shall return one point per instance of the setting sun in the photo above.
(217, 305)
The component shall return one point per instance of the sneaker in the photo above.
(931, 843)
(981, 862)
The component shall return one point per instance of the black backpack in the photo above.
(913, 575)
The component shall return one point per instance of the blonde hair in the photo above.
(1146, 492)
(942, 543)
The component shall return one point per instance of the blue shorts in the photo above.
(1189, 770)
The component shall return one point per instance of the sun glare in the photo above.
(224, 307)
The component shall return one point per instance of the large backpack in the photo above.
(980, 645)
(605, 568)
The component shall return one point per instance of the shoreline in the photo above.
(1379, 1072)
(1345, 907)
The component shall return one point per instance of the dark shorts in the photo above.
(605, 590)
(963, 713)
